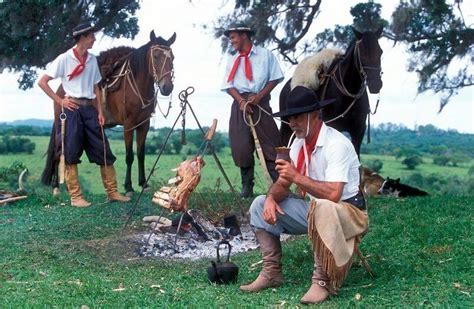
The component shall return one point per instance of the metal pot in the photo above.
(223, 272)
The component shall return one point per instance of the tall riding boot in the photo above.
(320, 288)
(74, 188)
(110, 184)
(246, 174)
(271, 275)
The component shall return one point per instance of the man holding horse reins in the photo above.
(324, 166)
(82, 114)
(251, 74)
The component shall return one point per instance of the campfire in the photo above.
(191, 235)
(197, 237)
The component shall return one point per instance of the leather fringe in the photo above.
(336, 274)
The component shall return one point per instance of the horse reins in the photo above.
(126, 72)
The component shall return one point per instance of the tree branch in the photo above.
(309, 20)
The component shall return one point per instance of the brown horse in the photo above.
(346, 81)
(129, 78)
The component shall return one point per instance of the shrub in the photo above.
(412, 162)
(9, 175)
(15, 144)
(441, 160)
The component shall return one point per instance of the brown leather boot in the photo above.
(110, 184)
(271, 275)
(74, 188)
(320, 288)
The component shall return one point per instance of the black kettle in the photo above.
(223, 272)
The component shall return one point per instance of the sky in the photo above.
(200, 63)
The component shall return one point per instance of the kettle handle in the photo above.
(229, 247)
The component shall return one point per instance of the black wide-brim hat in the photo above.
(239, 27)
(83, 28)
(302, 100)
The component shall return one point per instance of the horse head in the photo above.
(369, 54)
(161, 62)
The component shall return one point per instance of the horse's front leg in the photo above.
(128, 138)
(142, 131)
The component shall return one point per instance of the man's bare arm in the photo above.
(278, 192)
(239, 99)
(98, 105)
(321, 189)
(255, 99)
(43, 83)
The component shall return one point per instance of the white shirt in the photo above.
(265, 68)
(82, 85)
(334, 159)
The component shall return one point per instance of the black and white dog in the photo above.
(395, 188)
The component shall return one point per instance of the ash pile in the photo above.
(197, 237)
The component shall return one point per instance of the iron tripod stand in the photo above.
(183, 96)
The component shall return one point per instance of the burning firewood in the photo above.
(175, 197)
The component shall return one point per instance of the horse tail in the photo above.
(49, 177)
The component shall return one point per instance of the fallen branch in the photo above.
(12, 199)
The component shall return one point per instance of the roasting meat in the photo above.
(175, 196)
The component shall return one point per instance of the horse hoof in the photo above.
(146, 189)
(129, 193)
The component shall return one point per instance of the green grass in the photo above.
(54, 255)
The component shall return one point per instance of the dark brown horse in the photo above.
(346, 81)
(129, 79)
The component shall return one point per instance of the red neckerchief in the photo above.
(300, 165)
(248, 67)
(80, 67)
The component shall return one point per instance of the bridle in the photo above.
(362, 68)
(168, 54)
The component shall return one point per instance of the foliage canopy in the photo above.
(438, 41)
(33, 33)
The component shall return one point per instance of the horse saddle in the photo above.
(111, 64)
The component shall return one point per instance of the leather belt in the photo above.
(82, 101)
(357, 201)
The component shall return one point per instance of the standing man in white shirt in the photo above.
(79, 74)
(251, 74)
(324, 166)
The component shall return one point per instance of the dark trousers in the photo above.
(241, 139)
(83, 133)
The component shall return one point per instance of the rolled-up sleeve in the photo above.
(56, 68)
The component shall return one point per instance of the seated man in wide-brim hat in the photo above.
(325, 168)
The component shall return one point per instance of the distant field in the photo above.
(90, 175)
(394, 168)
